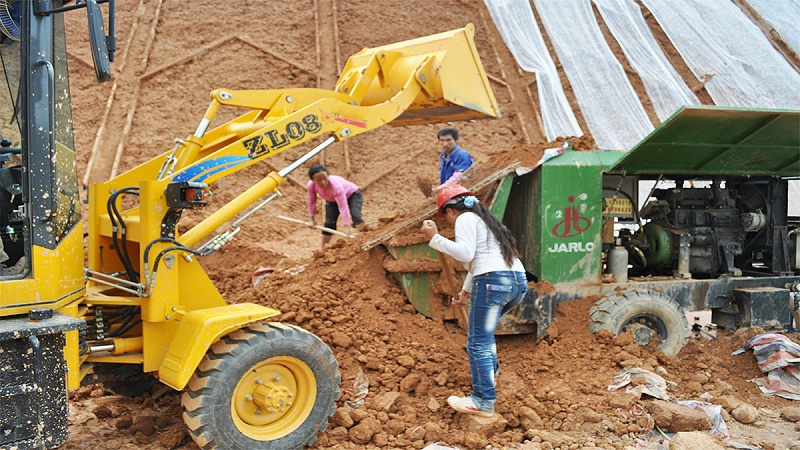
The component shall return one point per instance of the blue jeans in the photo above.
(493, 294)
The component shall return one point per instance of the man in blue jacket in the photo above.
(453, 160)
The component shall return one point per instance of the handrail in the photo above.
(51, 87)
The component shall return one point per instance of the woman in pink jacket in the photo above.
(341, 197)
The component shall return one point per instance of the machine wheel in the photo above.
(646, 314)
(268, 387)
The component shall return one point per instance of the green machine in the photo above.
(695, 217)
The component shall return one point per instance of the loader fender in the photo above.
(197, 331)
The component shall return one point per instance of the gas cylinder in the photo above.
(618, 263)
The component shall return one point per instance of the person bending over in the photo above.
(342, 197)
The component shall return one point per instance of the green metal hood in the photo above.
(719, 141)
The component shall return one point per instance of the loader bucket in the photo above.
(446, 66)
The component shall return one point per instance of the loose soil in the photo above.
(552, 393)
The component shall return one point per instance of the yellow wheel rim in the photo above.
(273, 398)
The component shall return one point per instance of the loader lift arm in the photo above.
(432, 79)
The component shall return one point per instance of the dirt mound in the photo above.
(553, 391)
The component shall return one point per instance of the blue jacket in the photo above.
(458, 161)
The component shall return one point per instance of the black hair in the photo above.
(448, 131)
(508, 245)
(316, 168)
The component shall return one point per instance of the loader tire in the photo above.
(646, 314)
(265, 387)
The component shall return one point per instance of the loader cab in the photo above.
(12, 227)
(41, 256)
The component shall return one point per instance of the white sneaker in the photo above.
(467, 406)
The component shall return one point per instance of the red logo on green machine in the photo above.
(572, 223)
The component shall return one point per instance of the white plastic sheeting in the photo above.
(664, 86)
(783, 16)
(515, 21)
(612, 110)
(729, 53)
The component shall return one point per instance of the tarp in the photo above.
(666, 89)
(654, 385)
(729, 53)
(612, 109)
(779, 357)
(517, 26)
(783, 16)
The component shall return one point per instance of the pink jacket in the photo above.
(338, 191)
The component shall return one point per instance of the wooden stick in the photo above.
(125, 132)
(319, 227)
(152, 36)
(454, 289)
(99, 135)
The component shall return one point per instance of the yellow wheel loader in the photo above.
(144, 305)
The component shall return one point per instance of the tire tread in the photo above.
(198, 412)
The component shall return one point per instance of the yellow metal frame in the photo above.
(56, 278)
(197, 331)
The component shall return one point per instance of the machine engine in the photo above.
(706, 229)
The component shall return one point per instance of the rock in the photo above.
(675, 418)
(529, 418)
(358, 415)
(434, 405)
(164, 421)
(406, 361)
(124, 423)
(434, 432)
(410, 382)
(363, 432)
(729, 402)
(622, 401)
(341, 339)
(791, 413)
(381, 440)
(342, 417)
(415, 433)
(588, 415)
(172, 438)
(483, 426)
(699, 378)
(395, 427)
(694, 440)
(693, 386)
(103, 412)
(337, 434)
(389, 216)
(745, 413)
(145, 424)
(550, 440)
(385, 402)
(475, 440)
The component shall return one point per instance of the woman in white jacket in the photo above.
(495, 284)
